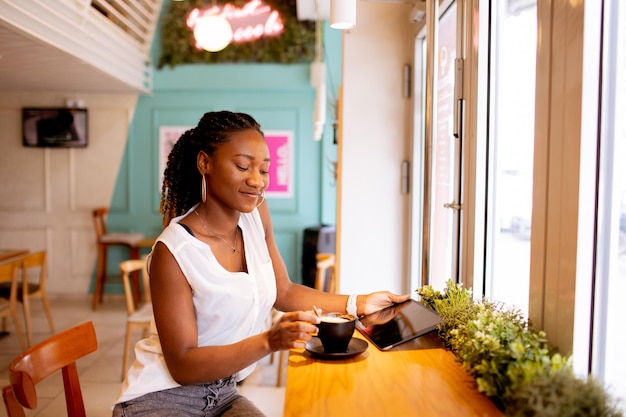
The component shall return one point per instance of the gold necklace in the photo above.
(232, 248)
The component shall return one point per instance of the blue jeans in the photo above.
(219, 398)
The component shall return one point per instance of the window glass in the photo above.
(511, 115)
(610, 309)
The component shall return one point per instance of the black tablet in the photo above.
(398, 324)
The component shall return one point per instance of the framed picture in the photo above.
(280, 143)
(168, 136)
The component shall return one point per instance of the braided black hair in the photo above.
(181, 179)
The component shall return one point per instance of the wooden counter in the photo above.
(418, 378)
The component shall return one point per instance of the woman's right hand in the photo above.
(293, 330)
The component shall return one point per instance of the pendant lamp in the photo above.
(342, 14)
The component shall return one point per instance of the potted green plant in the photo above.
(513, 363)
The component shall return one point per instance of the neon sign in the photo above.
(251, 22)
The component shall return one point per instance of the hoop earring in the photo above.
(262, 199)
(203, 188)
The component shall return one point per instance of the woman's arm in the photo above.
(294, 297)
(178, 331)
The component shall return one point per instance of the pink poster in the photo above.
(281, 154)
(281, 167)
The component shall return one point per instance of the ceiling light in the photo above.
(342, 14)
(313, 9)
(418, 12)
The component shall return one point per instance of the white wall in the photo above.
(372, 212)
(48, 194)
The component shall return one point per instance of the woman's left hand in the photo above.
(382, 299)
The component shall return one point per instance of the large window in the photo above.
(550, 134)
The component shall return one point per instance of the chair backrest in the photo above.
(127, 268)
(59, 352)
(31, 261)
(99, 221)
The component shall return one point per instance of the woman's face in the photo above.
(238, 171)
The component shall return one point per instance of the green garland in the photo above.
(295, 44)
(511, 362)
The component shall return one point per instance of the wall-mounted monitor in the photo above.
(57, 127)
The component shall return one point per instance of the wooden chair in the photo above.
(325, 279)
(139, 314)
(59, 352)
(28, 289)
(8, 307)
(106, 239)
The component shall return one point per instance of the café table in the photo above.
(417, 378)
(6, 254)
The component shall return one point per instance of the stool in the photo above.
(139, 315)
(276, 315)
(325, 279)
(104, 240)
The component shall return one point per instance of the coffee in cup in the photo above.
(335, 331)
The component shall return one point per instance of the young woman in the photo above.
(215, 274)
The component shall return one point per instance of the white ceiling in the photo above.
(30, 65)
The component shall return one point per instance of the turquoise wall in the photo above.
(280, 97)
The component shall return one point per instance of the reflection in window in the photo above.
(609, 337)
(444, 149)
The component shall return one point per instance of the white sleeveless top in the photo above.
(229, 306)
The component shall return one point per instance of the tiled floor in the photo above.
(100, 372)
